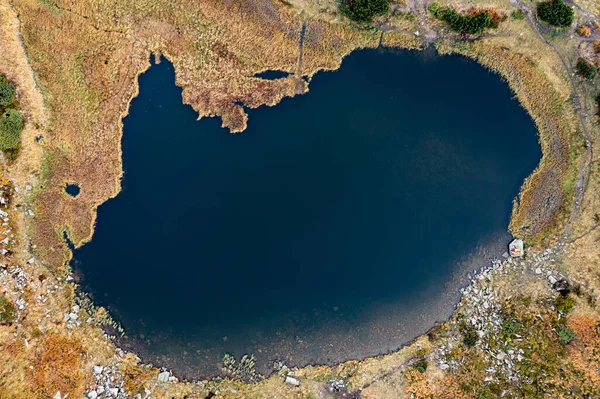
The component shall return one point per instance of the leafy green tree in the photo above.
(11, 124)
(585, 69)
(7, 92)
(555, 12)
(363, 11)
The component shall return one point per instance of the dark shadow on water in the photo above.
(340, 225)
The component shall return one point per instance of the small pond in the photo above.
(340, 225)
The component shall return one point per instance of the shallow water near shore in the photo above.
(340, 224)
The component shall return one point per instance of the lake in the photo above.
(341, 224)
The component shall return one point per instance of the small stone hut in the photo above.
(516, 248)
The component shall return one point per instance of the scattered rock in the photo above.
(164, 376)
(292, 381)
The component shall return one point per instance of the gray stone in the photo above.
(164, 376)
(57, 395)
(292, 381)
(98, 369)
(92, 394)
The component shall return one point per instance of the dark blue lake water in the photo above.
(339, 225)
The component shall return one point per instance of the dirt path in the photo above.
(300, 83)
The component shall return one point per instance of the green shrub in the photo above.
(364, 10)
(565, 335)
(11, 124)
(555, 12)
(510, 328)
(471, 337)
(7, 92)
(472, 24)
(564, 304)
(410, 16)
(517, 14)
(598, 112)
(7, 311)
(585, 69)
(420, 366)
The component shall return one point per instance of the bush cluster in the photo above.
(517, 14)
(473, 23)
(584, 31)
(11, 124)
(363, 11)
(585, 69)
(565, 335)
(555, 12)
(7, 92)
(7, 311)
(420, 366)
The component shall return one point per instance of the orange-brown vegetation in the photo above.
(57, 366)
(495, 16)
(135, 375)
(583, 351)
(584, 31)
